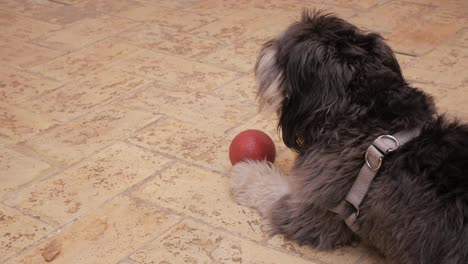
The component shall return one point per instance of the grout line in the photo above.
(60, 167)
(95, 109)
(357, 10)
(156, 173)
(74, 50)
(21, 212)
(57, 229)
(166, 211)
(127, 260)
(262, 242)
(33, 245)
(405, 53)
(178, 56)
(13, 194)
(194, 219)
(181, 161)
(60, 2)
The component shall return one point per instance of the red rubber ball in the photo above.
(252, 145)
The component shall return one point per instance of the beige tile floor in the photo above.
(116, 115)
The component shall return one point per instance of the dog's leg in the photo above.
(262, 186)
(258, 184)
(309, 224)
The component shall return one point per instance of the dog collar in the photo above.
(374, 156)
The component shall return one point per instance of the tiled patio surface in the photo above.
(116, 116)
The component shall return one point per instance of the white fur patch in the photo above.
(269, 81)
(272, 96)
(258, 184)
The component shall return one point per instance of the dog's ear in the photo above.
(316, 91)
(386, 55)
(269, 78)
(313, 73)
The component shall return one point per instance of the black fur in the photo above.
(341, 88)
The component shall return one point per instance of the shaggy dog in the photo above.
(336, 89)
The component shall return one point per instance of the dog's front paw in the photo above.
(257, 184)
(242, 178)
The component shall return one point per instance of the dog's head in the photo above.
(312, 71)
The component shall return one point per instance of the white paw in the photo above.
(257, 184)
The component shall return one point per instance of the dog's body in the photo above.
(336, 89)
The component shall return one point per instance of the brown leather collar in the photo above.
(373, 160)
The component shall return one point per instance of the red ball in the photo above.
(252, 145)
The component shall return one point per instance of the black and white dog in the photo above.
(336, 89)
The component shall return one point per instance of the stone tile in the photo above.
(284, 15)
(444, 65)
(290, 5)
(78, 98)
(47, 11)
(241, 89)
(81, 188)
(83, 62)
(418, 36)
(179, 4)
(69, 2)
(14, 25)
(455, 102)
(17, 125)
(448, 12)
(450, 3)
(462, 38)
(63, 14)
(18, 231)
(358, 4)
(28, 7)
(84, 32)
(297, 6)
(205, 146)
(17, 170)
(126, 261)
(240, 56)
(242, 24)
(188, 106)
(170, 69)
(108, 6)
(75, 140)
(105, 236)
(422, 33)
(387, 17)
(256, 22)
(191, 242)
(343, 255)
(203, 195)
(158, 38)
(176, 18)
(17, 86)
(14, 51)
(223, 6)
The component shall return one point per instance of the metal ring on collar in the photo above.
(368, 163)
(394, 139)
